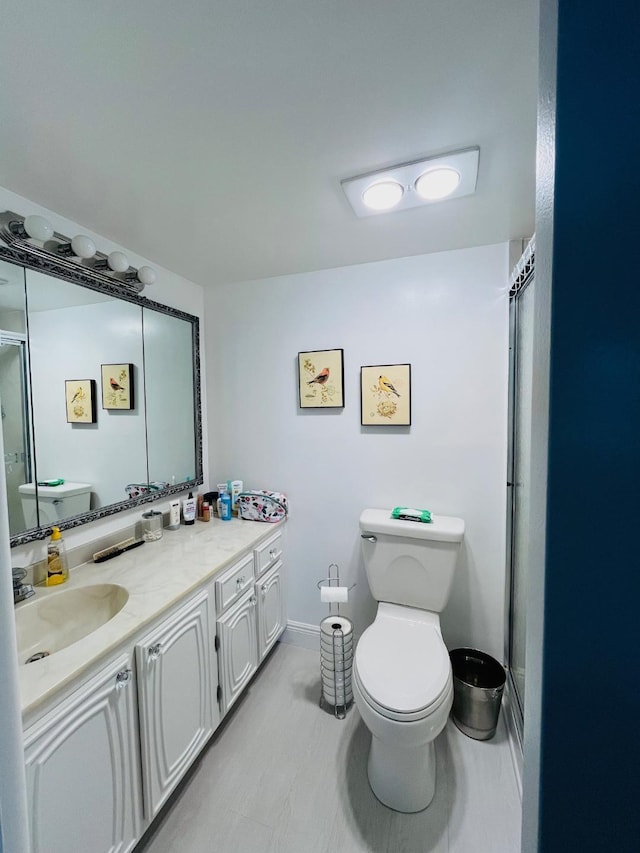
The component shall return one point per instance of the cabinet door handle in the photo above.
(123, 678)
(155, 651)
(240, 581)
(253, 601)
(264, 589)
(273, 553)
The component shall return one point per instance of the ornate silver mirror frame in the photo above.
(74, 274)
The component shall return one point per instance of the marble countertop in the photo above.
(157, 576)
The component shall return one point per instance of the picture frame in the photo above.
(117, 386)
(80, 401)
(321, 379)
(385, 395)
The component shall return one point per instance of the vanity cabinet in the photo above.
(249, 621)
(82, 768)
(177, 676)
(101, 763)
(270, 600)
(237, 648)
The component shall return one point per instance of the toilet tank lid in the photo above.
(443, 528)
(65, 490)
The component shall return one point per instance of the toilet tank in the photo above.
(409, 562)
(53, 502)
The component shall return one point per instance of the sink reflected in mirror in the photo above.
(52, 621)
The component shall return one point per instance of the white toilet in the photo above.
(48, 505)
(402, 681)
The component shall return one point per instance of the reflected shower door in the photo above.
(522, 308)
(15, 431)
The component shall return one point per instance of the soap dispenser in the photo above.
(57, 565)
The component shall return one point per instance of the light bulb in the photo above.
(383, 195)
(38, 227)
(437, 183)
(146, 275)
(82, 246)
(118, 262)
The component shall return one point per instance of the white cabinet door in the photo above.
(83, 775)
(238, 655)
(175, 697)
(271, 619)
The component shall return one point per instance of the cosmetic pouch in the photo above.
(262, 506)
(136, 490)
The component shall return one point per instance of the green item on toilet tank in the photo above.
(406, 513)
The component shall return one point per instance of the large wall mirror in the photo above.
(99, 397)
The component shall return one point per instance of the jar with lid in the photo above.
(151, 525)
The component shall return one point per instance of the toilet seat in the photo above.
(402, 665)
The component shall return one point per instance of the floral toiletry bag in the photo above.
(262, 506)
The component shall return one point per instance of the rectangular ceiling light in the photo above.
(414, 184)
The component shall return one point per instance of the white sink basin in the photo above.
(54, 621)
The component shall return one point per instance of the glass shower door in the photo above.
(522, 309)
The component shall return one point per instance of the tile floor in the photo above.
(283, 776)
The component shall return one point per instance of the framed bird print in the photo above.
(386, 394)
(321, 379)
(80, 397)
(117, 386)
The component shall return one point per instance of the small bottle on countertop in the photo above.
(206, 511)
(236, 489)
(199, 503)
(57, 566)
(174, 515)
(225, 506)
(189, 509)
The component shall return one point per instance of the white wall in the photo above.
(72, 343)
(169, 289)
(447, 315)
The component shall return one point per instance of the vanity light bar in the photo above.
(35, 236)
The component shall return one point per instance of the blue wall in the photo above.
(590, 758)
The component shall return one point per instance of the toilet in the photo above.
(402, 680)
(44, 506)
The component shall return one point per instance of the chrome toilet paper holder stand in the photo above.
(342, 660)
(333, 580)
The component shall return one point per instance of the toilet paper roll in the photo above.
(327, 626)
(332, 594)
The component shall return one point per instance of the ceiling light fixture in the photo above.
(414, 184)
(382, 195)
(437, 183)
(35, 236)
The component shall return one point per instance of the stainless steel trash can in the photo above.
(478, 685)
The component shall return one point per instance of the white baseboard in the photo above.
(303, 635)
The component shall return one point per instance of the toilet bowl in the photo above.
(403, 688)
(402, 679)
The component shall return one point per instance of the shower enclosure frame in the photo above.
(19, 339)
(522, 277)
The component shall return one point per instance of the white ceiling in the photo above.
(211, 135)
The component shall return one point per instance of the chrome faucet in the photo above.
(21, 591)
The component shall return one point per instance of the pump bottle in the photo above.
(57, 565)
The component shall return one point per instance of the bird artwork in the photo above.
(387, 386)
(79, 395)
(117, 386)
(321, 378)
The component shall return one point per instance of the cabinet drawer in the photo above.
(268, 553)
(233, 582)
